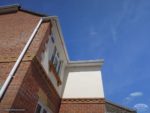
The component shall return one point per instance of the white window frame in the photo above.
(59, 62)
(43, 107)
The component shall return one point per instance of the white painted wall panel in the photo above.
(46, 57)
(84, 84)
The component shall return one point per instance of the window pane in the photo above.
(52, 39)
(38, 109)
(44, 111)
(53, 55)
(59, 67)
(55, 62)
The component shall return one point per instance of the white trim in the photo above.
(86, 63)
(43, 107)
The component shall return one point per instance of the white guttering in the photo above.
(12, 72)
(86, 63)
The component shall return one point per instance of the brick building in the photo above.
(36, 75)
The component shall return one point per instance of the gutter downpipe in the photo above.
(13, 70)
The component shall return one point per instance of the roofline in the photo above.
(33, 12)
(87, 63)
(9, 8)
(16, 7)
(122, 107)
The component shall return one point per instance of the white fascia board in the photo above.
(86, 63)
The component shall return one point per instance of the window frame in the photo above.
(43, 107)
(56, 58)
(56, 68)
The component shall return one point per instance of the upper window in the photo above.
(56, 61)
(41, 109)
(38, 109)
(52, 38)
(55, 65)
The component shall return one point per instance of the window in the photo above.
(38, 109)
(41, 108)
(55, 65)
(56, 61)
(59, 67)
(53, 55)
(44, 111)
(52, 38)
(1, 86)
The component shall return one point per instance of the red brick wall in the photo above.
(82, 106)
(15, 29)
(21, 93)
(27, 97)
(12, 90)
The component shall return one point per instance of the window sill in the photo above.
(52, 69)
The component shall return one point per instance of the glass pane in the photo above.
(44, 111)
(56, 62)
(59, 67)
(52, 39)
(53, 55)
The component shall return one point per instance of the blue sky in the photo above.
(117, 31)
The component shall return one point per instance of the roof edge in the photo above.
(15, 7)
(122, 107)
(9, 8)
(33, 12)
(98, 62)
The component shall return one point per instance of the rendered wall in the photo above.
(84, 82)
(47, 54)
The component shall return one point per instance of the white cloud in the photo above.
(141, 107)
(136, 94)
(132, 96)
